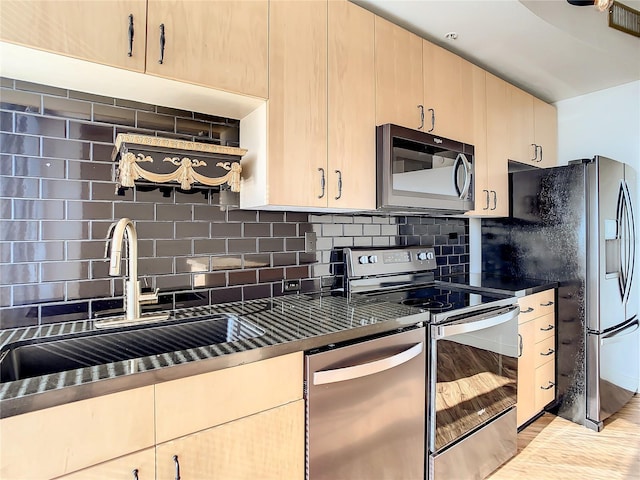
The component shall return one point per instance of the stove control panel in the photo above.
(371, 262)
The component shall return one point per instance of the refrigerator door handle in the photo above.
(618, 336)
(365, 369)
(627, 239)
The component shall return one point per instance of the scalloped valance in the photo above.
(170, 161)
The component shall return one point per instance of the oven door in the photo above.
(474, 361)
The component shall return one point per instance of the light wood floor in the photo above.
(556, 449)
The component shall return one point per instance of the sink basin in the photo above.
(32, 358)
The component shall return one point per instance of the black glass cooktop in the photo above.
(437, 299)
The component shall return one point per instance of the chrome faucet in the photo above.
(133, 297)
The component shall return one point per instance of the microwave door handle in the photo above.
(467, 176)
(456, 166)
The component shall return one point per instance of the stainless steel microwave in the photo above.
(417, 171)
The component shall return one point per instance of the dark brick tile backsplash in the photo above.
(58, 199)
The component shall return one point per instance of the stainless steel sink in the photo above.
(32, 358)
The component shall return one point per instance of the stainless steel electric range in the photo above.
(472, 357)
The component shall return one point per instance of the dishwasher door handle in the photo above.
(357, 371)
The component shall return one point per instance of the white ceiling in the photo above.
(548, 47)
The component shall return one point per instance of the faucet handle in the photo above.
(107, 245)
(149, 298)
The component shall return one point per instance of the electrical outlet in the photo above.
(291, 285)
(310, 242)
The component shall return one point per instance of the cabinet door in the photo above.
(497, 150)
(218, 43)
(268, 445)
(297, 105)
(76, 435)
(143, 463)
(399, 85)
(481, 160)
(526, 407)
(448, 92)
(351, 108)
(92, 30)
(546, 132)
(521, 126)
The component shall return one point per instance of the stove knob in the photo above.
(373, 259)
(430, 256)
(363, 259)
(422, 256)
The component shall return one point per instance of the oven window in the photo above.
(476, 376)
(426, 169)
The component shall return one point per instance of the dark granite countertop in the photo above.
(291, 324)
(518, 287)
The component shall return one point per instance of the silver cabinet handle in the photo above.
(339, 185)
(549, 386)
(520, 345)
(421, 108)
(322, 181)
(487, 207)
(528, 310)
(357, 371)
(495, 200)
(547, 328)
(135, 474)
(549, 352)
(433, 120)
(130, 32)
(540, 147)
(177, 464)
(548, 304)
(535, 153)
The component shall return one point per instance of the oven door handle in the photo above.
(362, 370)
(444, 331)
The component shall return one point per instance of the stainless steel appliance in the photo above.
(575, 225)
(471, 362)
(366, 409)
(420, 171)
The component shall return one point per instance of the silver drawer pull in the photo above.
(528, 310)
(549, 352)
(364, 369)
(548, 304)
(548, 387)
(546, 329)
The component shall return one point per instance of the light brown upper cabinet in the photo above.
(448, 94)
(218, 43)
(398, 72)
(351, 162)
(533, 129)
(112, 33)
(313, 146)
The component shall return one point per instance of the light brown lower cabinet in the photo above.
(136, 466)
(536, 365)
(267, 445)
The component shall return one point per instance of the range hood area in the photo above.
(159, 160)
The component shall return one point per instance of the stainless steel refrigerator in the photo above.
(575, 225)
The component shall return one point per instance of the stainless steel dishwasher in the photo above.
(366, 409)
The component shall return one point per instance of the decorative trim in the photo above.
(132, 139)
(129, 168)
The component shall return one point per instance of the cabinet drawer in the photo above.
(545, 327)
(195, 403)
(545, 390)
(545, 351)
(69, 437)
(533, 306)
